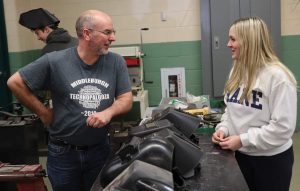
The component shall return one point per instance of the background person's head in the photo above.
(42, 33)
(40, 21)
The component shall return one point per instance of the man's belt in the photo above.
(60, 142)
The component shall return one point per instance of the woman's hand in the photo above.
(218, 136)
(232, 143)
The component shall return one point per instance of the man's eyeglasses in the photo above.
(106, 32)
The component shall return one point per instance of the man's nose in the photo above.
(112, 37)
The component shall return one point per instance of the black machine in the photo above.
(152, 150)
(148, 128)
(166, 143)
(183, 122)
(142, 176)
(19, 136)
(19, 144)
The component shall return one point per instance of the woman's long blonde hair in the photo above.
(256, 51)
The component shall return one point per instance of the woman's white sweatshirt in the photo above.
(267, 122)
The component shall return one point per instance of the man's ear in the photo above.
(86, 33)
(47, 29)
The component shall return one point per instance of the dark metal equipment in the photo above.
(20, 139)
(27, 177)
(19, 136)
(165, 142)
(142, 176)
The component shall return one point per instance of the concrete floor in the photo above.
(295, 184)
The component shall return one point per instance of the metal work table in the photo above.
(219, 171)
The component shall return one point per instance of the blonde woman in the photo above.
(261, 112)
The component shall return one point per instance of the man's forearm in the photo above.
(25, 95)
(122, 104)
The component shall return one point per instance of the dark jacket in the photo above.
(59, 39)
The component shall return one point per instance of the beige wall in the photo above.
(182, 24)
(290, 17)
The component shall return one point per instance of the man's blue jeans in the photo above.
(73, 170)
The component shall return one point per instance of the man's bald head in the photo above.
(89, 19)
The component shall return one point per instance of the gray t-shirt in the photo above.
(78, 90)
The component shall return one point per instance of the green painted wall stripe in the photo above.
(178, 54)
(289, 43)
(20, 59)
(291, 58)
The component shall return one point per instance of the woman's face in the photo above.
(233, 44)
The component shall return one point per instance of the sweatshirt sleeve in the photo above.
(283, 107)
(223, 125)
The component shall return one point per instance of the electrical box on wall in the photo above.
(173, 82)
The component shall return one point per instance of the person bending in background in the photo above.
(45, 26)
(261, 112)
(89, 86)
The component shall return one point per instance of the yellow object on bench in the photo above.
(202, 111)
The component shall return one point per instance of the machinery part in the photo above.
(165, 149)
(148, 128)
(154, 150)
(185, 123)
(142, 176)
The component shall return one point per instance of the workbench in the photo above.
(219, 170)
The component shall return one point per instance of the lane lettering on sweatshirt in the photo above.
(254, 102)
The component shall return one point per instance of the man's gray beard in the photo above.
(105, 52)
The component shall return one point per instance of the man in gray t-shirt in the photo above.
(89, 86)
